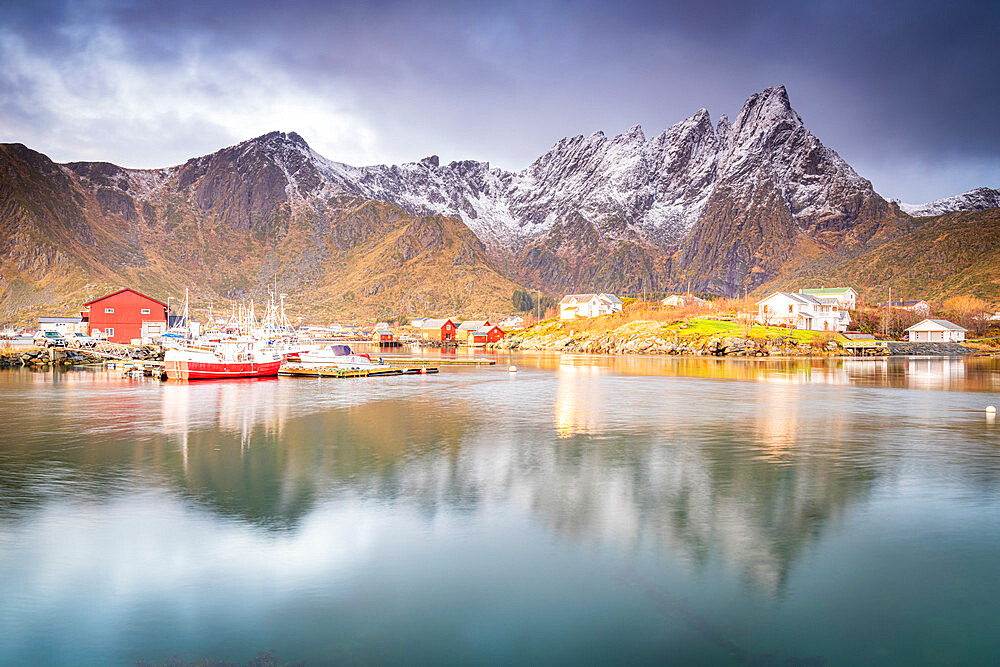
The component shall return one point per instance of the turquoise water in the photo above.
(582, 510)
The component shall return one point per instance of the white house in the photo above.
(936, 331)
(845, 296)
(63, 325)
(920, 307)
(802, 311)
(512, 322)
(675, 300)
(588, 305)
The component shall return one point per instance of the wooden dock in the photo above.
(334, 372)
(448, 362)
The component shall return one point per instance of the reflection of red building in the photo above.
(120, 316)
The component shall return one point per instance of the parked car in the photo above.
(50, 339)
(81, 340)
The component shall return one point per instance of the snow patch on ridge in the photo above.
(973, 200)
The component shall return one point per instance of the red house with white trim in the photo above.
(120, 316)
(488, 334)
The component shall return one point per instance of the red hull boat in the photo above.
(238, 358)
(196, 370)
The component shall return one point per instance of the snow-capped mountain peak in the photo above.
(973, 200)
(657, 188)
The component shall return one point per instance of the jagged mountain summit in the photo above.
(726, 208)
(979, 199)
(681, 203)
(658, 187)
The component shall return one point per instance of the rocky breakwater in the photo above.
(57, 356)
(653, 338)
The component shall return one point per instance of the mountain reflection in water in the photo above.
(718, 468)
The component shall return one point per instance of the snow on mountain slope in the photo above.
(973, 200)
(769, 140)
(627, 186)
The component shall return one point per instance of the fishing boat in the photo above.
(340, 356)
(232, 358)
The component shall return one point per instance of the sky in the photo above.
(907, 92)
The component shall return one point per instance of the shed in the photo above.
(936, 331)
(439, 330)
(468, 326)
(64, 325)
(488, 334)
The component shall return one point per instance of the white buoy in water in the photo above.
(991, 410)
(512, 369)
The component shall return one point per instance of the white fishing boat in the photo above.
(340, 356)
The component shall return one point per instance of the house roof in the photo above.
(569, 298)
(583, 298)
(383, 332)
(935, 325)
(685, 297)
(60, 320)
(798, 298)
(485, 330)
(827, 291)
(472, 325)
(434, 324)
(902, 304)
(127, 289)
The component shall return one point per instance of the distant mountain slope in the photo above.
(973, 200)
(727, 208)
(721, 208)
(226, 228)
(953, 254)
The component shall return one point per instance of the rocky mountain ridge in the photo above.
(627, 212)
(728, 208)
(978, 199)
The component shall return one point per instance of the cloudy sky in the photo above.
(907, 92)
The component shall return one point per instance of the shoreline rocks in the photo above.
(58, 356)
(651, 339)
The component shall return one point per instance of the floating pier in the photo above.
(334, 372)
(448, 362)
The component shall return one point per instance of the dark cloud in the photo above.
(905, 91)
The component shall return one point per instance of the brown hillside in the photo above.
(69, 233)
(949, 255)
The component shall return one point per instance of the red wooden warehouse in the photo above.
(440, 330)
(488, 334)
(120, 315)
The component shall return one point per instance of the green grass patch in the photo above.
(705, 327)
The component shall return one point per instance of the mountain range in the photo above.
(724, 208)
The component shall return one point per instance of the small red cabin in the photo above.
(489, 334)
(383, 336)
(440, 330)
(120, 315)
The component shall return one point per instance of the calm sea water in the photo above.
(585, 510)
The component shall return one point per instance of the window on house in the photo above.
(109, 310)
(789, 307)
(109, 332)
(144, 311)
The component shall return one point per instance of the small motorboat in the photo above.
(340, 356)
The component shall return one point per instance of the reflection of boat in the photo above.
(340, 356)
(235, 358)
